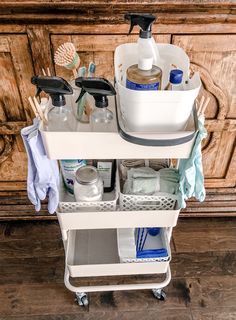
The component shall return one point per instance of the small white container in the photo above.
(161, 110)
(126, 242)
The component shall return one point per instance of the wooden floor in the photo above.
(203, 270)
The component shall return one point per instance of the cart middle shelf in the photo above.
(117, 210)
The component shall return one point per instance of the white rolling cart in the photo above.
(89, 231)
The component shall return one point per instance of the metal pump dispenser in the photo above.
(146, 45)
(99, 88)
(60, 117)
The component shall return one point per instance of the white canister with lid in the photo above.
(69, 168)
(88, 185)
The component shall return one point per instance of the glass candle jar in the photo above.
(88, 184)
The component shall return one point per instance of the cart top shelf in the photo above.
(117, 143)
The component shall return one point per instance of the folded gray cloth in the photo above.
(145, 180)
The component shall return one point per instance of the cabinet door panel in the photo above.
(97, 48)
(15, 73)
(214, 56)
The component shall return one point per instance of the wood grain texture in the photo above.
(214, 58)
(40, 46)
(216, 314)
(112, 11)
(99, 49)
(177, 27)
(203, 284)
(16, 68)
(32, 30)
(218, 236)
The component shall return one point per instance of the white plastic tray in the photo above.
(95, 253)
(84, 144)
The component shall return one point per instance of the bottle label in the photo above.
(137, 86)
(105, 171)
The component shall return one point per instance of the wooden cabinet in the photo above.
(97, 48)
(206, 30)
(15, 72)
(214, 56)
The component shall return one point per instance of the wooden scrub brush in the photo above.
(66, 56)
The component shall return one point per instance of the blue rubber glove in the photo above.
(46, 172)
(199, 190)
(191, 171)
(32, 195)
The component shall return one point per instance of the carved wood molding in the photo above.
(215, 126)
(5, 147)
(12, 128)
(217, 92)
(112, 12)
(220, 125)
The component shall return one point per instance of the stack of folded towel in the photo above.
(145, 180)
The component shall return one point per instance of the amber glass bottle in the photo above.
(144, 76)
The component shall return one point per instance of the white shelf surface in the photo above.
(78, 218)
(95, 253)
(116, 219)
(85, 144)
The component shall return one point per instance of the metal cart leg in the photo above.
(136, 286)
(81, 298)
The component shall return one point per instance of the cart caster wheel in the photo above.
(82, 299)
(159, 294)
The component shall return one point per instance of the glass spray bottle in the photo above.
(60, 115)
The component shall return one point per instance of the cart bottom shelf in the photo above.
(95, 253)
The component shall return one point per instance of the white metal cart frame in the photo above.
(84, 144)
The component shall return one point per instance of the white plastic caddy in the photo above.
(166, 110)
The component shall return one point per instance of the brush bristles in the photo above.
(66, 55)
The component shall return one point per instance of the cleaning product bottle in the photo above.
(146, 45)
(60, 115)
(107, 171)
(69, 168)
(144, 75)
(101, 117)
(175, 81)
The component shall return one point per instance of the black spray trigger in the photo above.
(39, 90)
(82, 92)
(132, 24)
(143, 20)
(99, 88)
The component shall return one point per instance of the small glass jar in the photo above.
(82, 107)
(88, 185)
